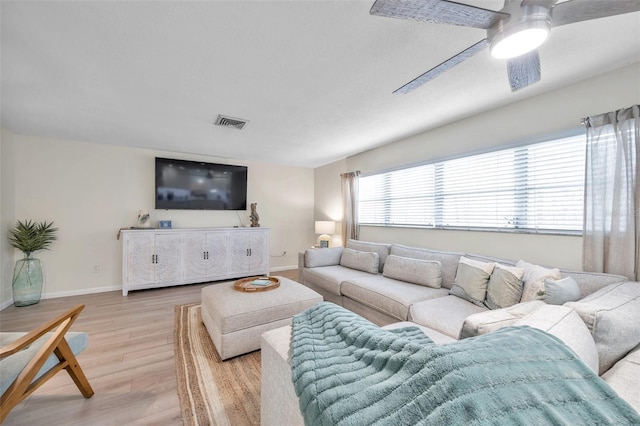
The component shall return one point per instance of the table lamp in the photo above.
(325, 227)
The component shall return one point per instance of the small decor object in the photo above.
(143, 219)
(165, 224)
(27, 281)
(253, 284)
(325, 227)
(254, 217)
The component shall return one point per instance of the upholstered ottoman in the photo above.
(235, 320)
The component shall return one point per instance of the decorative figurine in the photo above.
(255, 219)
(143, 219)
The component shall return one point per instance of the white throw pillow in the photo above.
(534, 277)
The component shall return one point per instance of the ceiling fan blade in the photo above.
(524, 70)
(445, 66)
(585, 10)
(437, 11)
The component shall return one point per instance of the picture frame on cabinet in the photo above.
(164, 224)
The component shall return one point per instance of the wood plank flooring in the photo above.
(129, 362)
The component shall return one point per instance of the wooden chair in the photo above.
(37, 356)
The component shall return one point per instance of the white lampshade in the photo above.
(325, 227)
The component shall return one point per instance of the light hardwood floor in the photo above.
(129, 362)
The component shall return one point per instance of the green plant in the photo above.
(30, 236)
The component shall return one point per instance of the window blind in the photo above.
(532, 188)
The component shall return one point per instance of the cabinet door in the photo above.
(140, 259)
(216, 254)
(168, 257)
(195, 256)
(258, 253)
(239, 243)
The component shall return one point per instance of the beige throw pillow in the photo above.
(471, 281)
(505, 287)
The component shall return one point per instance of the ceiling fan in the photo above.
(514, 32)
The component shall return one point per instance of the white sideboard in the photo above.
(166, 257)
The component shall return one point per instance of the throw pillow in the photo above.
(505, 287)
(423, 272)
(534, 277)
(558, 292)
(360, 260)
(471, 281)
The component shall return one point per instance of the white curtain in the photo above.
(350, 228)
(611, 240)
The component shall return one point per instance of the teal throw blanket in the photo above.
(348, 371)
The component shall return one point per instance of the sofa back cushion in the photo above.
(423, 272)
(590, 282)
(612, 315)
(380, 248)
(472, 280)
(360, 260)
(448, 260)
(314, 258)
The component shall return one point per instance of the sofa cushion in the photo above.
(380, 248)
(322, 257)
(566, 325)
(488, 321)
(623, 378)
(444, 314)
(471, 281)
(387, 295)
(559, 292)
(329, 278)
(505, 287)
(360, 260)
(612, 314)
(423, 272)
(590, 282)
(533, 278)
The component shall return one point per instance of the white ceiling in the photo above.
(314, 78)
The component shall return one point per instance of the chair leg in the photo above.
(63, 352)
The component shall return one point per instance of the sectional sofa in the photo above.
(452, 296)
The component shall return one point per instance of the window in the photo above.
(532, 188)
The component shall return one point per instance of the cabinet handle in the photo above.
(249, 252)
(204, 255)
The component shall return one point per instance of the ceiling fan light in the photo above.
(523, 40)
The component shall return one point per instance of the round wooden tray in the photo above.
(245, 284)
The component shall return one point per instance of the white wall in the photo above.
(91, 191)
(327, 206)
(7, 217)
(528, 120)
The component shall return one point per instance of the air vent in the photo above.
(236, 123)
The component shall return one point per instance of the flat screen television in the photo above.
(194, 185)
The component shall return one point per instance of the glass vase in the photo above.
(27, 281)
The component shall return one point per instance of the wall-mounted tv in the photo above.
(194, 185)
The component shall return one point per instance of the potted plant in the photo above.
(29, 236)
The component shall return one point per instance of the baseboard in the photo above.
(56, 294)
(283, 268)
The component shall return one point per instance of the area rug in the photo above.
(213, 392)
